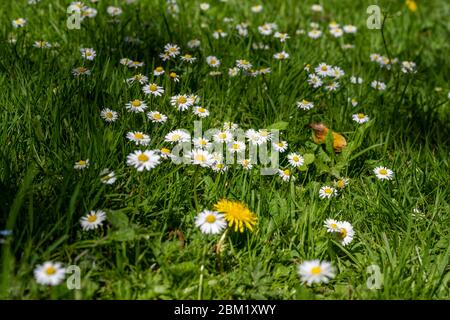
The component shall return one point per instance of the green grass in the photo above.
(150, 247)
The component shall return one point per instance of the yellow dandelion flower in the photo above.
(412, 5)
(237, 214)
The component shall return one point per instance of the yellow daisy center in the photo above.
(295, 158)
(81, 162)
(156, 116)
(182, 100)
(287, 172)
(109, 115)
(328, 191)
(187, 56)
(176, 137)
(153, 87)
(383, 172)
(165, 151)
(139, 135)
(50, 271)
(316, 270)
(143, 158)
(92, 218)
(173, 75)
(201, 110)
(200, 157)
(210, 218)
(159, 69)
(136, 103)
(361, 115)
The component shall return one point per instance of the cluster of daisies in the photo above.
(226, 214)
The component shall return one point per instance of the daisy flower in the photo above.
(282, 36)
(336, 32)
(337, 72)
(236, 147)
(201, 112)
(139, 138)
(204, 6)
(135, 64)
(378, 85)
(143, 160)
(137, 78)
(246, 164)
(243, 64)
(219, 34)
(253, 137)
(109, 115)
(188, 58)
(49, 273)
(93, 220)
(177, 136)
(233, 72)
(327, 192)
(356, 80)
(237, 214)
(353, 101)
(231, 126)
(174, 76)
(323, 70)
(210, 222)
(224, 136)
(114, 11)
(315, 34)
(201, 157)
(158, 71)
(219, 167)
(194, 43)
(316, 8)
(125, 61)
(281, 55)
(408, 67)
(331, 225)
(181, 102)
(156, 116)
(305, 104)
(265, 135)
(153, 89)
(314, 80)
(165, 153)
(315, 271)
(40, 44)
(285, 174)
(81, 164)
(266, 29)
(332, 86)
(383, 173)
(201, 143)
(280, 146)
(172, 49)
(19, 23)
(256, 9)
(360, 117)
(350, 28)
(107, 176)
(341, 183)
(136, 106)
(88, 53)
(295, 160)
(345, 232)
(212, 61)
(81, 71)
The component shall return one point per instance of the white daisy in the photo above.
(280, 146)
(282, 36)
(188, 58)
(153, 89)
(337, 72)
(327, 192)
(243, 64)
(212, 61)
(137, 78)
(315, 34)
(156, 116)
(336, 32)
(194, 43)
(360, 117)
(231, 126)
(378, 85)
(236, 147)
(81, 164)
(49, 273)
(219, 167)
(109, 115)
(286, 174)
(295, 160)
(158, 71)
(323, 70)
(88, 53)
(281, 55)
(181, 101)
(136, 106)
(264, 135)
(143, 160)
(201, 157)
(223, 136)
(201, 143)
(350, 28)
(383, 173)
(172, 49)
(107, 176)
(314, 80)
(177, 136)
(201, 112)
(114, 11)
(256, 9)
(345, 232)
(165, 153)
(19, 23)
(331, 225)
(305, 104)
(356, 80)
(316, 271)
(210, 222)
(219, 33)
(139, 138)
(246, 164)
(93, 220)
(232, 72)
(316, 8)
(253, 137)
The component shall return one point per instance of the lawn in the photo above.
(103, 197)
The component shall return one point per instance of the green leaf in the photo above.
(309, 158)
(118, 219)
(281, 125)
(124, 234)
